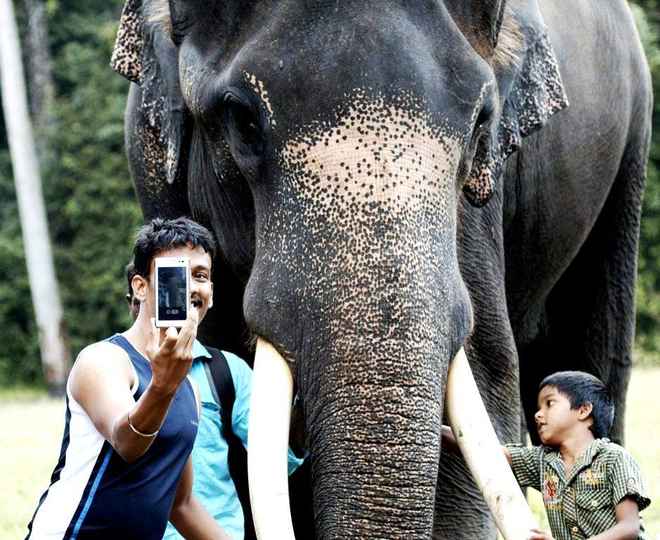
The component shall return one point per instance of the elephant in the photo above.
(390, 183)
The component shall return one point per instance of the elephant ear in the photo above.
(480, 21)
(531, 92)
(145, 54)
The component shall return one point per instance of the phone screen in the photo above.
(172, 301)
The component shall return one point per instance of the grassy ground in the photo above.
(29, 448)
(32, 430)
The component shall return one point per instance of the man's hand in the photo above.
(170, 353)
(538, 534)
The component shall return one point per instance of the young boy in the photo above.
(592, 488)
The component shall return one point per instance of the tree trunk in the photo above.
(38, 253)
(39, 73)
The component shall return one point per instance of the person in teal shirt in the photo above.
(212, 484)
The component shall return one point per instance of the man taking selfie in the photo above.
(132, 414)
(225, 386)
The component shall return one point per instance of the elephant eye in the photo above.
(484, 117)
(242, 123)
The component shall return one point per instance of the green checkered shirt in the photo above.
(580, 504)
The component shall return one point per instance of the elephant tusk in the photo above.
(483, 454)
(268, 439)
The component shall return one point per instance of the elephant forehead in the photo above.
(367, 214)
(375, 152)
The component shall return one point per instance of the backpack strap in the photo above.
(224, 393)
(222, 387)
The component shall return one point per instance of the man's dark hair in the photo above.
(581, 388)
(163, 234)
(130, 272)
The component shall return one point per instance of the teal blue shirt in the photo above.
(212, 483)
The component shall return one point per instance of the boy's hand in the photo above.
(448, 440)
(170, 353)
(538, 534)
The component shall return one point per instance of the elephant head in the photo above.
(328, 145)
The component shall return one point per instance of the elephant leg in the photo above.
(460, 511)
(589, 320)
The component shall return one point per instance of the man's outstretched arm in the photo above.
(101, 383)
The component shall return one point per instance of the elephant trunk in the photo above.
(374, 420)
(376, 454)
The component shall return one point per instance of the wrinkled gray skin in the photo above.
(332, 179)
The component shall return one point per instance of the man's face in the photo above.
(554, 418)
(201, 287)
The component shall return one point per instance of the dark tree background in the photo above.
(92, 209)
(648, 290)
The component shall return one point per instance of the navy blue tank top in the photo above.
(122, 500)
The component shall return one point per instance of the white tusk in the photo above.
(268, 442)
(483, 453)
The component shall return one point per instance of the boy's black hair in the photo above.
(163, 234)
(581, 388)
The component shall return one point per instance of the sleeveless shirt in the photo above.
(95, 494)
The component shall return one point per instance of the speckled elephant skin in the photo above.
(389, 181)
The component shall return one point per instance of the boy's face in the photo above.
(555, 420)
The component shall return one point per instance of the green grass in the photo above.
(29, 447)
(643, 438)
(32, 429)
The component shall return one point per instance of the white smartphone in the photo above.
(172, 291)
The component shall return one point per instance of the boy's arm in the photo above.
(628, 494)
(449, 443)
(525, 461)
(188, 516)
(507, 455)
(625, 479)
(627, 522)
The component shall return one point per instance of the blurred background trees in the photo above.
(55, 356)
(78, 105)
(647, 13)
(91, 207)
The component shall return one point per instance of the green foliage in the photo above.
(91, 206)
(19, 358)
(647, 15)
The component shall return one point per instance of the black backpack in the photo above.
(222, 388)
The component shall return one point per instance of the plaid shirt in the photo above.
(580, 503)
